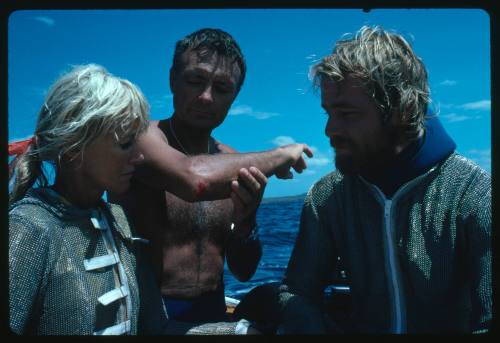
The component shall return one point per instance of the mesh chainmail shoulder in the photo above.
(52, 293)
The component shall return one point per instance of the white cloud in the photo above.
(481, 157)
(309, 172)
(46, 20)
(448, 83)
(311, 56)
(318, 161)
(483, 153)
(283, 140)
(249, 111)
(161, 102)
(453, 117)
(445, 106)
(483, 105)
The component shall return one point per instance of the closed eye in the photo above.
(127, 145)
(223, 87)
(194, 81)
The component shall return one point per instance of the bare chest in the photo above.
(203, 220)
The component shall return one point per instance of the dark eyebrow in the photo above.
(343, 105)
(196, 72)
(203, 73)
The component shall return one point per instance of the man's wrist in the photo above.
(253, 235)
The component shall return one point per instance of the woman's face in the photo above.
(108, 163)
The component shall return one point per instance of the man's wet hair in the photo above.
(394, 76)
(214, 41)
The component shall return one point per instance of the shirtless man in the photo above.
(191, 238)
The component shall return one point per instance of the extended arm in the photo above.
(208, 177)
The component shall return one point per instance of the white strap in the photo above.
(118, 329)
(96, 224)
(113, 295)
(139, 239)
(98, 220)
(101, 261)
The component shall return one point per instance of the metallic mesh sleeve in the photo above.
(29, 248)
(475, 211)
(309, 267)
(184, 328)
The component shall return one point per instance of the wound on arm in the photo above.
(201, 187)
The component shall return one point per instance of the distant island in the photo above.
(284, 199)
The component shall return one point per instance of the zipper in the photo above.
(397, 325)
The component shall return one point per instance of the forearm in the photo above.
(243, 256)
(208, 177)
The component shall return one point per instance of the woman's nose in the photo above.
(137, 156)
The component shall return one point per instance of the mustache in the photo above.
(339, 141)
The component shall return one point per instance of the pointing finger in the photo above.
(308, 150)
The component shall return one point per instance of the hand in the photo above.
(253, 331)
(297, 161)
(246, 195)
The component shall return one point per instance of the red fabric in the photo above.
(19, 147)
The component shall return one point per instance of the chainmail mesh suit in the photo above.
(419, 262)
(65, 278)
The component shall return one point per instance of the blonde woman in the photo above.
(75, 266)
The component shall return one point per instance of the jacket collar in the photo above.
(417, 158)
(49, 199)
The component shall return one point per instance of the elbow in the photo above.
(203, 184)
(194, 191)
(197, 186)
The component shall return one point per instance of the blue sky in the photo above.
(277, 104)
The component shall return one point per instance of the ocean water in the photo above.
(278, 227)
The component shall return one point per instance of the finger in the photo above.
(307, 150)
(259, 176)
(249, 181)
(244, 195)
(237, 204)
(282, 175)
(300, 165)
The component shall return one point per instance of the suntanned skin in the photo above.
(189, 239)
(208, 177)
(194, 236)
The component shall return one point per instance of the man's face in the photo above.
(362, 143)
(204, 86)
